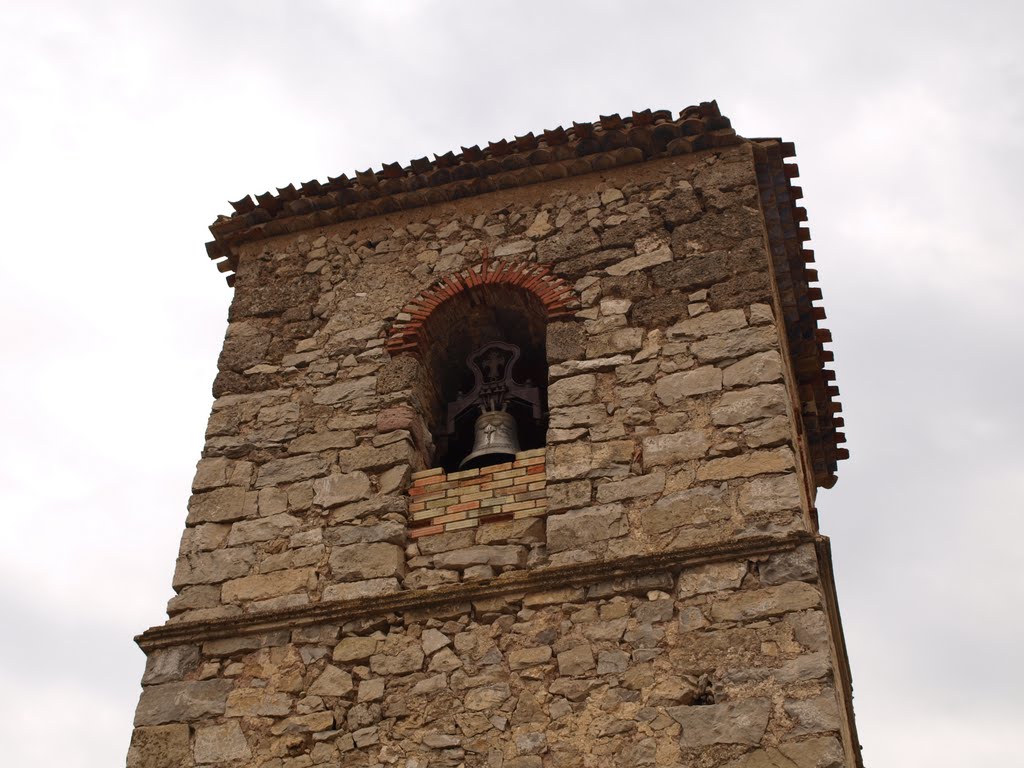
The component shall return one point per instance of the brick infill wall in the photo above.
(450, 502)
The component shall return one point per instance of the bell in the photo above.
(495, 439)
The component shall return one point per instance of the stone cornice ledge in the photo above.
(537, 580)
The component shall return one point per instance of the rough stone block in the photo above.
(735, 344)
(694, 506)
(761, 368)
(740, 722)
(661, 450)
(740, 406)
(262, 586)
(770, 494)
(747, 465)
(574, 390)
(367, 561)
(714, 577)
(823, 752)
(578, 528)
(631, 488)
(675, 387)
(800, 564)
(497, 556)
(222, 505)
(815, 715)
(263, 529)
(708, 324)
(160, 746)
(221, 744)
(333, 681)
(182, 702)
(770, 601)
(291, 469)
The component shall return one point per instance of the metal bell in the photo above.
(495, 439)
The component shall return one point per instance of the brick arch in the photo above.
(553, 292)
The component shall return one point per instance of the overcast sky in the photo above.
(126, 126)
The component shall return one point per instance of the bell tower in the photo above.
(513, 463)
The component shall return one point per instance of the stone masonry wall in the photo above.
(724, 664)
(669, 420)
(671, 435)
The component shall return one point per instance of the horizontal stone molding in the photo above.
(538, 580)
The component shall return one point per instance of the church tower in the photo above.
(513, 464)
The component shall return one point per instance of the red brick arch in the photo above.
(552, 291)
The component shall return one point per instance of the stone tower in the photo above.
(640, 582)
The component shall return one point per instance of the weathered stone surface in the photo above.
(694, 506)
(735, 344)
(800, 564)
(741, 722)
(762, 368)
(356, 590)
(291, 469)
(481, 555)
(614, 342)
(747, 465)
(160, 746)
(814, 753)
(581, 527)
(770, 601)
(642, 261)
(323, 441)
(366, 533)
(257, 702)
(355, 649)
(345, 391)
(576, 662)
(261, 586)
(740, 406)
(167, 664)
(708, 324)
(487, 697)
(182, 702)
(409, 659)
(222, 505)
(814, 715)
(221, 744)
(574, 390)
(714, 577)
(263, 529)
(569, 461)
(770, 494)
(367, 561)
(333, 681)
(565, 341)
(529, 657)
(568, 495)
(213, 567)
(687, 445)
(631, 488)
(678, 386)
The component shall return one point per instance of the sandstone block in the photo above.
(708, 324)
(323, 441)
(565, 341)
(824, 752)
(529, 657)
(355, 590)
(344, 535)
(770, 494)
(257, 702)
(642, 261)
(694, 506)
(714, 577)
(263, 529)
(661, 450)
(221, 743)
(578, 528)
(409, 659)
(631, 488)
(166, 664)
(311, 723)
(615, 342)
(807, 666)
(217, 472)
(740, 406)
(574, 390)
(160, 746)
(747, 465)
(740, 722)
(679, 386)
(770, 432)
(262, 586)
(569, 461)
(568, 495)
(222, 505)
(735, 344)
(355, 649)
(333, 681)
(376, 458)
(814, 715)
(761, 368)
(367, 561)
(770, 601)
(345, 391)
(182, 702)
(213, 567)
(487, 697)
(800, 564)
(497, 556)
(291, 469)
(576, 662)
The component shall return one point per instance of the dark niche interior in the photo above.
(458, 329)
